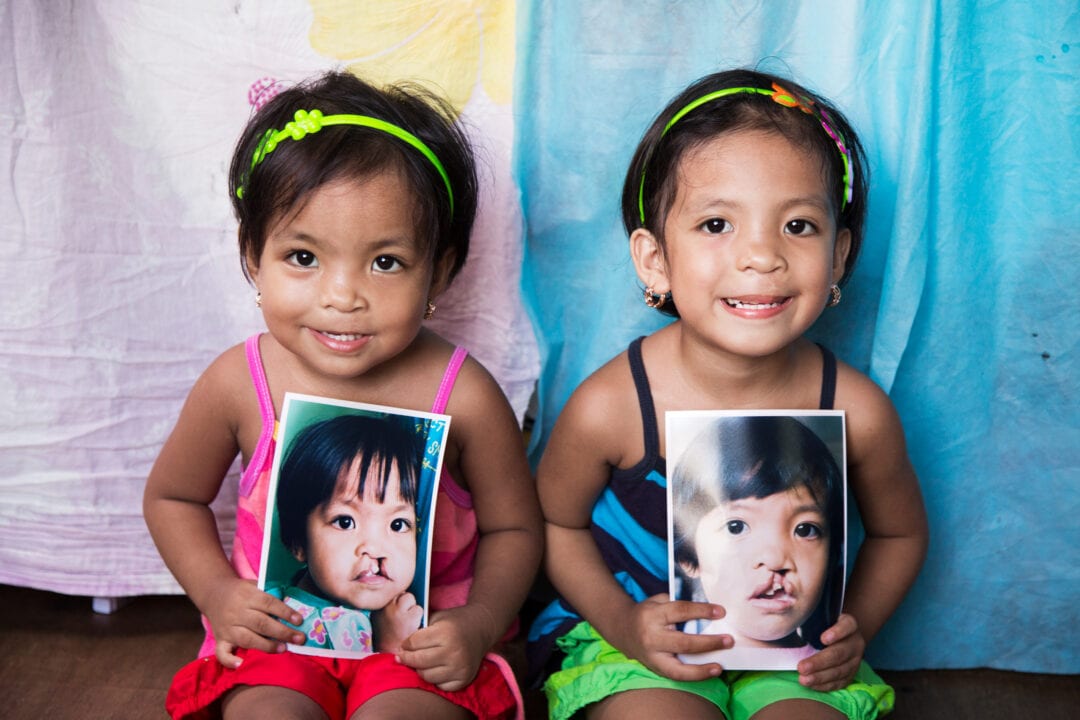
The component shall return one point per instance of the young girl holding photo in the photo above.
(355, 205)
(744, 203)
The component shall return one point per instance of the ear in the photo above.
(689, 569)
(299, 554)
(840, 253)
(440, 275)
(251, 263)
(649, 261)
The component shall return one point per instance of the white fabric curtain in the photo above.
(121, 278)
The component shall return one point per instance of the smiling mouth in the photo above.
(342, 337)
(754, 304)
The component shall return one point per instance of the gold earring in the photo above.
(258, 299)
(655, 300)
(834, 296)
(429, 311)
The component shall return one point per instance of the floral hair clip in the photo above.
(808, 106)
(781, 97)
(307, 122)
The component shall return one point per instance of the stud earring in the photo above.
(655, 300)
(834, 296)
(429, 311)
(258, 299)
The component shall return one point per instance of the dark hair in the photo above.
(320, 452)
(285, 178)
(755, 457)
(658, 155)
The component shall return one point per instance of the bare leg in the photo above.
(267, 702)
(652, 704)
(408, 704)
(798, 710)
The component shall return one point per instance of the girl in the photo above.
(346, 507)
(758, 515)
(744, 202)
(355, 206)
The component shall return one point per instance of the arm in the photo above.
(176, 504)
(585, 444)
(491, 458)
(891, 506)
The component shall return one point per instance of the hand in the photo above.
(652, 639)
(243, 616)
(395, 622)
(834, 666)
(448, 652)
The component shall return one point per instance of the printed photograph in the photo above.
(350, 511)
(757, 524)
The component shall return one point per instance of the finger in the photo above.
(673, 668)
(279, 609)
(422, 639)
(830, 678)
(845, 626)
(405, 600)
(273, 629)
(680, 611)
(689, 644)
(225, 654)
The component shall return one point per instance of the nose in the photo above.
(368, 543)
(341, 291)
(759, 250)
(773, 556)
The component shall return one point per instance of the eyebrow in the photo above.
(740, 504)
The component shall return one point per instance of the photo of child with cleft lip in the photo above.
(758, 527)
(346, 499)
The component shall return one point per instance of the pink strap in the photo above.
(447, 384)
(266, 409)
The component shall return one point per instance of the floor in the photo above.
(59, 659)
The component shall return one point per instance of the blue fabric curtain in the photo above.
(963, 305)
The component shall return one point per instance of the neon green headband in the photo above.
(311, 121)
(782, 97)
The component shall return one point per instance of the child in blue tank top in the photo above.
(744, 203)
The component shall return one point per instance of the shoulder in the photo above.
(602, 417)
(869, 410)
(226, 382)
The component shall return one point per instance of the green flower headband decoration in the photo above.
(306, 122)
(782, 97)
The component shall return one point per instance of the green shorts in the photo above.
(594, 670)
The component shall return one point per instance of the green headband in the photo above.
(306, 122)
(782, 97)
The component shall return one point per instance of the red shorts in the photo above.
(198, 687)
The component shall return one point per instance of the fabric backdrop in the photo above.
(121, 277)
(963, 305)
(121, 280)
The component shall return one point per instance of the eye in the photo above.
(387, 263)
(303, 258)
(343, 522)
(810, 531)
(716, 226)
(736, 527)
(400, 525)
(801, 227)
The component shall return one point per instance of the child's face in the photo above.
(343, 280)
(360, 551)
(751, 242)
(764, 560)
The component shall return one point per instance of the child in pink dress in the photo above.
(355, 206)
